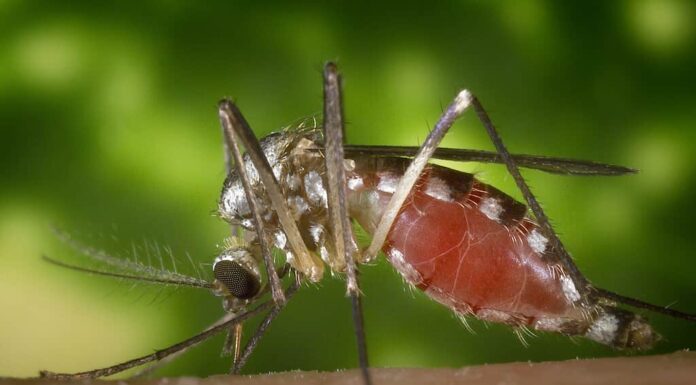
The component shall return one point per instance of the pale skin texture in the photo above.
(668, 369)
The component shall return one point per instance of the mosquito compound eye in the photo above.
(239, 281)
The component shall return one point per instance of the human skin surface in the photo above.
(669, 369)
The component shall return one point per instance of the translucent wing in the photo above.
(553, 165)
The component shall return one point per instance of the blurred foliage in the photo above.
(108, 128)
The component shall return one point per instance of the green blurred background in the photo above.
(109, 130)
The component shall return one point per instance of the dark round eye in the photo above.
(239, 281)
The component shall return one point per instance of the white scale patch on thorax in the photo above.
(278, 170)
(387, 183)
(297, 205)
(491, 208)
(604, 329)
(314, 187)
(355, 182)
(537, 241)
(271, 146)
(280, 239)
(438, 189)
(316, 231)
(293, 182)
(234, 202)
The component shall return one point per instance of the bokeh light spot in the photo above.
(661, 159)
(412, 90)
(163, 150)
(661, 26)
(50, 57)
(125, 87)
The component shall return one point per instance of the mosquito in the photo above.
(464, 243)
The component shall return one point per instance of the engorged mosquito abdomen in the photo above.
(471, 262)
(465, 244)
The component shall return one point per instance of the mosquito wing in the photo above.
(552, 165)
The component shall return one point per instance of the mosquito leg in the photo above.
(229, 166)
(229, 156)
(606, 294)
(338, 214)
(164, 361)
(461, 102)
(163, 353)
(236, 126)
(233, 144)
(564, 258)
(335, 173)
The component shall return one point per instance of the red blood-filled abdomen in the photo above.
(465, 244)
(465, 259)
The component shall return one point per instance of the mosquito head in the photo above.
(237, 277)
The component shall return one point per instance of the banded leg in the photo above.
(338, 213)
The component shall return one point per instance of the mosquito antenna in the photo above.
(163, 353)
(128, 267)
(606, 294)
(174, 282)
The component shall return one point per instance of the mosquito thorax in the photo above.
(298, 166)
(237, 277)
(233, 206)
